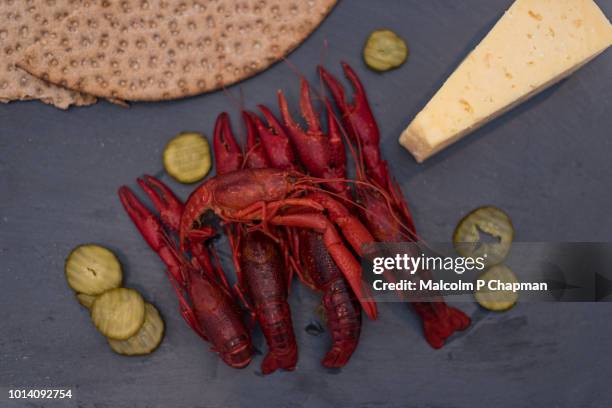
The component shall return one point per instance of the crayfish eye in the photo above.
(292, 179)
(206, 218)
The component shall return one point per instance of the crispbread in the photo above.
(21, 23)
(167, 49)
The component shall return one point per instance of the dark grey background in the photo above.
(546, 163)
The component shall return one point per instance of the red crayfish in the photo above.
(309, 257)
(262, 272)
(389, 220)
(206, 301)
(287, 206)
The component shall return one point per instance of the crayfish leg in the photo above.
(345, 260)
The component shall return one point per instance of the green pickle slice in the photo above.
(92, 269)
(187, 157)
(118, 313)
(467, 237)
(146, 340)
(497, 300)
(85, 300)
(384, 50)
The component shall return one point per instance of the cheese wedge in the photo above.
(534, 45)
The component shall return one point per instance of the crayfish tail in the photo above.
(344, 322)
(460, 320)
(440, 324)
(239, 359)
(277, 328)
(275, 360)
(340, 354)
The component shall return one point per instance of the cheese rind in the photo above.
(534, 45)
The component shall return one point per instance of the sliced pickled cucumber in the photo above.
(85, 300)
(468, 237)
(146, 340)
(187, 157)
(497, 300)
(118, 313)
(92, 269)
(384, 50)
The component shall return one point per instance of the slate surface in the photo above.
(547, 163)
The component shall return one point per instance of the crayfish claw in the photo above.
(284, 109)
(359, 96)
(228, 154)
(308, 112)
(275, 140)
(133, 206)
(335, 88)
(147, 223)
(255, 157)
(170, 208)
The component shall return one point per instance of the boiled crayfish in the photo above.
(287, 206)
(262, 272)
(206, 301)
(383, 208)
(282, 198)
(307, 256)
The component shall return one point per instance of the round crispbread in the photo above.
(22, 23)
(166, 49)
